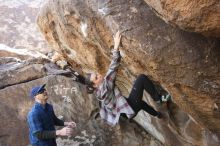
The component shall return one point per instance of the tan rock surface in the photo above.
(201, 16)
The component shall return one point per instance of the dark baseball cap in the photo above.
(36, 90)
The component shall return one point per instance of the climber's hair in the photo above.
(89, 84)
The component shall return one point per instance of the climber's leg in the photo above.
(144, 83)
(150, 109)
(135, 98)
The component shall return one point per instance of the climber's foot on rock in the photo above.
(165, 98)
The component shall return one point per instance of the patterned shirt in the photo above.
(112, 102)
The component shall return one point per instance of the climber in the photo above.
(112, 102)
(42, 119)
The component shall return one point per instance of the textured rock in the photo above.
(18, 72)
(185, 64)
(69, 101)
(191, 15)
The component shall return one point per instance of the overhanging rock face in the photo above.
(185, 64)
(192, 15)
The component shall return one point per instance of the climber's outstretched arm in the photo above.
(115, 62)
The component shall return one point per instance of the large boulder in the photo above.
(191, 15)
(185, 64)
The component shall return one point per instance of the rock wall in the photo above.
(184, 64)
(191, 15)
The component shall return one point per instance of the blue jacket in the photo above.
(41, 119)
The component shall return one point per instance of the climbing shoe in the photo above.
(165, 98)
